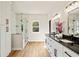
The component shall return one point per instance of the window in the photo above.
(35, 26)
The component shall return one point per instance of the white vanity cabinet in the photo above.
(50, 46)
(56, 49)
(69, 53)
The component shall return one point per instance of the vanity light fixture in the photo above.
(71, 6)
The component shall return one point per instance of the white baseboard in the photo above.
(36, 40)
(16, 48)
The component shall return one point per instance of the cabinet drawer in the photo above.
(69, 52)
(50, 52)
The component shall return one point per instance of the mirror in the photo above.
(73, 22)
(57, 24)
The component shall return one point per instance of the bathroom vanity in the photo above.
(68, 46)
(61, 48)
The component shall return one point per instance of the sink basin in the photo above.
(67, 41)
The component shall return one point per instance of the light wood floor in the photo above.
(32, 49)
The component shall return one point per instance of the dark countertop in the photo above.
(71, 46)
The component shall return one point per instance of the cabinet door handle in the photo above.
(55, 52)
(50, 46)
(50, 40)
(48, 43)
(68, 54)
(45, 41)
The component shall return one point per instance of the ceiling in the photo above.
(39, 7)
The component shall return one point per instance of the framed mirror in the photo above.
(73, 22)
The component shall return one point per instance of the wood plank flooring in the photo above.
(32, 49)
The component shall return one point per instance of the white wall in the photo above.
(43, 26)
(5, 37)
(13, 23)
(0, 28)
